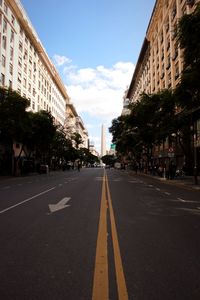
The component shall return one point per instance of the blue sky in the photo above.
(94, 46)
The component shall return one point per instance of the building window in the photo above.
(4, 26)
(10, 84)
(2, 79)
(175, 52)
(11, 69)
(24, 82)
(19, 77)
(168, 63)
(20, 46)
(11, 53)
(25, 54)
(176, 71)
(4, 42)
(20, 61)
(3, 61)
(12, 36)
(25, 68)
(173, 12)
(13, 20)
(168, 44)
(21, 31)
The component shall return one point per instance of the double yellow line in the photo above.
(101, 278)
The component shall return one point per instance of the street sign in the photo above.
(113, 146)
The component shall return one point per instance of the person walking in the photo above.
(79, 166)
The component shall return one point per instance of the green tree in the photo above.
(109, 159)
(76, 137)
(41, 135)
(13, 116)
(61, 148)
(13, 125)
(188, 90)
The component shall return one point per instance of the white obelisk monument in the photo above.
(103, 141)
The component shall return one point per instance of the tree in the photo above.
(41, 134)
(13, 125)
(188, 90)
(109, 160)
(61, 148)
(13, 116)
(76, 137)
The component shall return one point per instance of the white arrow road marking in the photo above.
(60, 205)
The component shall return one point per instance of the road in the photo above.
(98, 235)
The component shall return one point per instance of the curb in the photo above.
(181, 183)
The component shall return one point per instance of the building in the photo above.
(126, 103)
(103, 141)
(25, 65)
(92, 148)
(160, 61)
(74, 124)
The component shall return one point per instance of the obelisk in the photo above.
(103, 141)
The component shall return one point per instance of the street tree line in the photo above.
(39, 140)
(168, 113)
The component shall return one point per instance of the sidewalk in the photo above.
(186, 181)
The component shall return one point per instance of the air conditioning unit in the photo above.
(190, 2)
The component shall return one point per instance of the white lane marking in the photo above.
(60, 205)
(157, 189)
(166, 193)
(133, 181)
(150, 185)
(26, 200)
(98, 178)
(188, 201)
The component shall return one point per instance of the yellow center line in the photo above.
(121, 283)
(100, 283)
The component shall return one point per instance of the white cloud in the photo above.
(99, 91)
(61, 60)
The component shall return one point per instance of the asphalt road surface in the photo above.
(98, 235)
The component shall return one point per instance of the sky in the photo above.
(94, 46)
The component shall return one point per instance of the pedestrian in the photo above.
(79, 166)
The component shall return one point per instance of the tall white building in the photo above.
(103, 141)
(25, 65)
